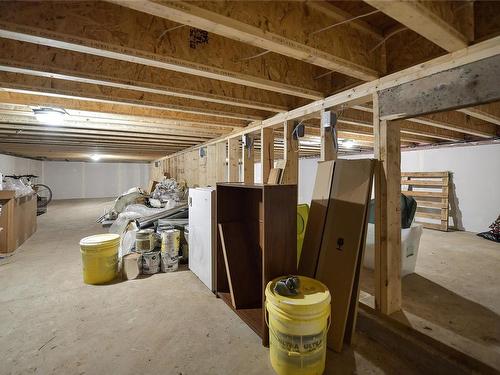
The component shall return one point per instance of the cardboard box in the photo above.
(342, 245)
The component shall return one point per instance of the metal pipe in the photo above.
(147, 221)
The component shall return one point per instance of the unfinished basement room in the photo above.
(262, 187)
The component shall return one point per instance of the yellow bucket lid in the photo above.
(312, 295)
(98, 240)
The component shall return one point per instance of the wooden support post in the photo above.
(220, 169)
(248, 159)
(291, 154)
(233, 170)
(328, 151)
(211, 164)
(387, 213)
(266, 152)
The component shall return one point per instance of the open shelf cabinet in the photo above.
(257, 242)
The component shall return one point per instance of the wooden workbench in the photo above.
(17, 219)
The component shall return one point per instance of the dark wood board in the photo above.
(241, 257)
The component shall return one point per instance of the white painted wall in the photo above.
(14, 165)
(475, 179)
(70, 180)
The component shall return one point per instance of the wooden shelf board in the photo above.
(252, 317)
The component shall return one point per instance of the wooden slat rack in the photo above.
(430, 190)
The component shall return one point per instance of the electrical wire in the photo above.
(344, 22)
(254, 56)
(294, 132)
(168, 30)
(323, 75)
(391, 34)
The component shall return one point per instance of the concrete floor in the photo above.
(454, 294)
(52, 323)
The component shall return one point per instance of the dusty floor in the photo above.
(454, 294)
(52, 323)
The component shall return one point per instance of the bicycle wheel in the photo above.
(44, 194)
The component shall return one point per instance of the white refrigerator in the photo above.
(202, 234)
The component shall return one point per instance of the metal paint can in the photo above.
(170, 242)
(169, 263)
(151, 262)
(144, 241)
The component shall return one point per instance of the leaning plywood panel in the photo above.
(342, 239)
(316, 221)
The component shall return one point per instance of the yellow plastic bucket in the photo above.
(298, 327)
(100, 258)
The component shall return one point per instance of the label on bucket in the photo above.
(299, 344)
(299, 352)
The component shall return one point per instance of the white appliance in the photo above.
(202, 234)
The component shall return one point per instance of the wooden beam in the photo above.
(487, 112)
(363, 93)
(98, 134)
(142, 40)
(338, 16)
(189, 14)
(291, 154)
(444, 125)
(90, 91)
(387, 214)
(458, 122)
(408, 128)
(220, 169)
(71, 125)
(469, 85)
(116, 112)
(248, 159)
(426, 19)
(37, 60)
(266, 153)
(233, 169)
(328, 150)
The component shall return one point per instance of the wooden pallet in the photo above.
(430, 190)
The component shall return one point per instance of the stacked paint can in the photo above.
(151, 262)
(170, 242)
(144, 241)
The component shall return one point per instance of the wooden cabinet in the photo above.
(257, 242)
(17, 220)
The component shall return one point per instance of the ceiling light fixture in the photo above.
(50, 116)
(95, 157)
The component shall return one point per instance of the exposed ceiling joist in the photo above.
(431, 19)
(144, 44)
(97, 134)
(117, 111)
(453, 121)
(487, 112)
(94, 92)
(340, 16)
(37, 60)
(229, 27)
